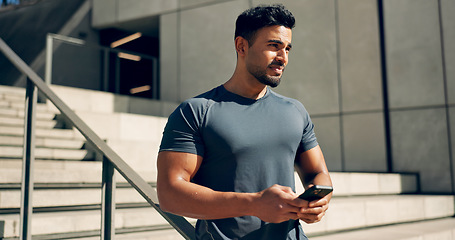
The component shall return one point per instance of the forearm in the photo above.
(178, 195)
(312, 168)
(321, 178)
(195, 201)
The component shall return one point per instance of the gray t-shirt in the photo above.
(247, 146)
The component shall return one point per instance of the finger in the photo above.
(286, 189)
(292, 209)
(289, 191)
(312, 215)
(285, 217)
(312, 211)
(293, 216)
(318, 203)
(310, 218)
(296, 201)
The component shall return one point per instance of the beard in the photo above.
(262, 76)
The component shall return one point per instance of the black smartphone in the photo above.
(316, 192)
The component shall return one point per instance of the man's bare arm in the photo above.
(178, 195)
(313, 170)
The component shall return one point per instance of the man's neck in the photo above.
(245, 88)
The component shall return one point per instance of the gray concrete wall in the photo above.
(448, 27)
(360, 81)
(416, 81)
(197, 49)
(335, 70)
(24, 29)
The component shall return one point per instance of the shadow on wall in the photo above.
(25, 22)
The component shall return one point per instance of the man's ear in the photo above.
(241, 45)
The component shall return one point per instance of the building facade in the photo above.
(378, 77)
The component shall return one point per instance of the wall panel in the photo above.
(207, 53)
(413, 46)
(364, 142)
(420, 144)
(360, 69)
(311, 75)
(327, 130)
(169, 67)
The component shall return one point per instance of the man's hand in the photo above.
(314, 211)
(277, 204)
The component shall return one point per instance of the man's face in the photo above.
(268, 55)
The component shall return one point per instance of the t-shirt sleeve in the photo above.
(309, 140)
(182, 131)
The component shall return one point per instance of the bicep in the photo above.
(311, 163)
(311, 160)
(174, 166)
(175, 170)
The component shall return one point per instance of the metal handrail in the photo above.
(111, 159)
(54, 41)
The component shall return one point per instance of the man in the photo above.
(227, 156)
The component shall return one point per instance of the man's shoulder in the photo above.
(203, 100)
(288, 100)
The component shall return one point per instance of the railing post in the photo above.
(155, 85)
(117, 75)
(108, 201)
(105, 86)
(26, 211)
(48, 66)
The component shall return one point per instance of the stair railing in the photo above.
(54, 41)
(111, 160)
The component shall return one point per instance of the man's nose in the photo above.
(282, 56)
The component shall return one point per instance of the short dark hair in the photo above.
(253, 19)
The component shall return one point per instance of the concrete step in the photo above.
(19, 122)
(18, 102)
(76, 196)
(146, 233)
(349, 184)
(355, 184)
(42, 142)
(11, 89)
(20, 113)
(439, 229)
(48, 153)
(59, 171)
(165, 234)
(75, 171)
(76, 221)
(40, 132)
(380, 211)
(50, 165)
(91, 174)
(347, 213)
(9, 92)
(15, 97)
(156, 232)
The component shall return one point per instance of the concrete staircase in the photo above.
(67, 180)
